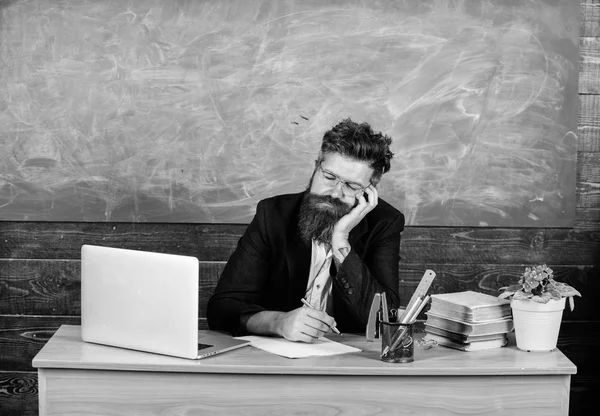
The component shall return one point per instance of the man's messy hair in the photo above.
(358, 142)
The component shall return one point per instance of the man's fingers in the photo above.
(307, 325)
(306, 333)
(322, 321)
(372, 196)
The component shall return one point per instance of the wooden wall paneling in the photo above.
(52, 287)
(589, 74)
(460, 245)
(499, 246)
(588, 219)
(588, 167)
(63, 240)
(18, 393)
(589, 124)
(588, 181)
(590, 18)
(22, 337)
(39, 287)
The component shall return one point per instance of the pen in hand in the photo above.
(312, 307)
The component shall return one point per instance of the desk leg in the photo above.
(42, 392)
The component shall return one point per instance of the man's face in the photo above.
(333, 192)
(350, 172)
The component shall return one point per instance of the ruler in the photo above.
(420, 291)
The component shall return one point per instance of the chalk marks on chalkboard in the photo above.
(302, 117)
(189, 111)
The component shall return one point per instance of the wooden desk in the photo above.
(86, 379)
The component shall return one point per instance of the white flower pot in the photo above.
(537, 324)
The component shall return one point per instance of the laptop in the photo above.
(145, 301)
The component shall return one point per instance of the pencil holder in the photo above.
(397, 343)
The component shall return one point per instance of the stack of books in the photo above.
(468, 321)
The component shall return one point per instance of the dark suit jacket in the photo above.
(269, 269)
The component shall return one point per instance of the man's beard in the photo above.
(316, 220)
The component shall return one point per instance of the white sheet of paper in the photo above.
(291, 349)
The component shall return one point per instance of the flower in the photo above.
(538, 284)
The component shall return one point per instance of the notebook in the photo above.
(470, 306)
(467, 346)
(145, 301)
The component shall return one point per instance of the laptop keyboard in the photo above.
(203, 346)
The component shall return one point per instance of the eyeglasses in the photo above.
(349, 188)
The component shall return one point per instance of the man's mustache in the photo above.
(338, 206)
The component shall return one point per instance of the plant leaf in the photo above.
(566, 290)
(544, 298)
(520, 295)
(571, 303)
(511, 288)
(554, 293)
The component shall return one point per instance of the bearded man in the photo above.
(334, 246)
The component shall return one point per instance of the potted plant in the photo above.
(537, 303)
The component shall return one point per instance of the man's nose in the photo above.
(337, 192)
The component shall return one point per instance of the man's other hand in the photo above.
(341, 230)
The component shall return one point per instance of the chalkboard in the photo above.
(193, 111)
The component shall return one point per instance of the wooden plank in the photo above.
(590, 18)
(40, 287)
(500, 246)
(588, 180)
(589, 72)
(588, 168)
(30, 287)
(18, 393)
(589, 124)
(63, 240)
(588, 219)
(21, 338)
(452, 245)
(52, 287)
(588, 195)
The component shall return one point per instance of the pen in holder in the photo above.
(397, 343)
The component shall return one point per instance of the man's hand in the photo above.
(304, 324)
(341, 230)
